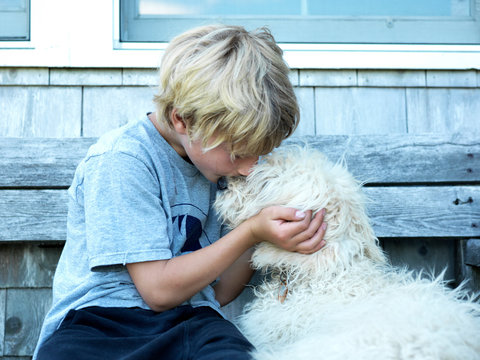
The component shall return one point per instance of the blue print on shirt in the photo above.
(193, 231)
(188, 226)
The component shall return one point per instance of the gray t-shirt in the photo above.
(133, 199)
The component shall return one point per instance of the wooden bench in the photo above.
(425, 208)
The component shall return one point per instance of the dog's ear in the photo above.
(230, 203)
(348, 224)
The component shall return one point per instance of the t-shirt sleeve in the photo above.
(124, 217)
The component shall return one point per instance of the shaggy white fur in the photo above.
(345, 301)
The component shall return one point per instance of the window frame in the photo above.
(19, 19)
(441, 30)
(98, 45)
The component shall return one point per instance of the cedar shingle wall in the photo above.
(87, 102)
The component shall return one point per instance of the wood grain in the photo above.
(428, 159)
(443, 110)
(437, 211)
(35, 162)
(3, 294)
(431, 256)
(33, 215)
(27, 265)
(107, 108)
(40, 111)
(360, 110)
(25, 311)
(372, 158)
(404, 211)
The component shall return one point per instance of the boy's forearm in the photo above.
(234, 279)
(165, 284)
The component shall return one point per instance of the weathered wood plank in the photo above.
(23, 76)
(40, 111)
(450, 79)
(391, 78)
(107, 108)
(293, 76)
(140, 77)
(26, 309)
(403, 158)
(33, 215)
(438, 110)
(443, 211)
(430, 256)
(328, 77)
(355, 110)
(3, 294)
(27, 265)
(306, 100)
(373, 158)
(88, 77)
(40, 162)
(467, 272)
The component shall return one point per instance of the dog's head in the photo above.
(305, 179)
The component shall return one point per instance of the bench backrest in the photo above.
(422, 188)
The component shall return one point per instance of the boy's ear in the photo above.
(178, 122)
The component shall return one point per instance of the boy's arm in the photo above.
(237, 276)
(234, 279)
(164, 284)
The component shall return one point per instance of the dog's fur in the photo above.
(345, 301)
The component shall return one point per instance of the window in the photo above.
(14, 20)
(310, 21)
(134, 33)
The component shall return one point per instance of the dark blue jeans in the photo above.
(118, 333)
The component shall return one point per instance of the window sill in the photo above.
(361, 56)
(298, 56)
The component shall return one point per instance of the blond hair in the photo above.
(229, 86)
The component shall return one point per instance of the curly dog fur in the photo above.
(345, 301)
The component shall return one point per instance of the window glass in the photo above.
(305, 7)
(388, 8)
(311, 21)
(15, 20)
(226, 7)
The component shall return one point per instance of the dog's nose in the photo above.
(222, 183)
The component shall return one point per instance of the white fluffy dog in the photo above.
(345, 301)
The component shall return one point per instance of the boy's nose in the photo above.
(246, 165)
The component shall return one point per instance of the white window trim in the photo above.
(87, 35)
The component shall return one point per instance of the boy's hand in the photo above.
(289, 229)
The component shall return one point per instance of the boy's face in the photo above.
(214, 163)
(218, 162)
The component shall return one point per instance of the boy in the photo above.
(145, 268)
